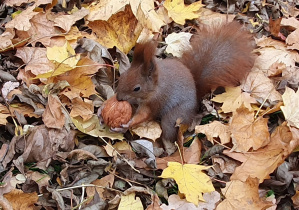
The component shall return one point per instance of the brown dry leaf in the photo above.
(150, 130)
(226, 165)
(82, 86)
(214, 130)
(39, 146)
(208, 17)
(233, 98)
(264, 161)
(293, 40)
(42, 29)
(106, 181)
(292, 75)
(248, 132)
(191, 155)
(270, 55)
(175, 202)
(4, 113)
(21, 21)
(6, 38)
(292, 21)
(53, 116)
(35, 59)
(295, 199)
(24, 109)
(121, 30)
(105, 8)
(66, 21)
(19, 2)
(179, 12)
(260, 87)
(79, 79)
(80, 154)
(155, 205)
(242, 194)
(290, 108)
(82, 108)
(20, 200)
(276, 69)
(146, 15)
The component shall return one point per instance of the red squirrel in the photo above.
(171, 88)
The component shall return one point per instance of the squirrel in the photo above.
(171, 88)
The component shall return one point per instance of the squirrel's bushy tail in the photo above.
(220, 56)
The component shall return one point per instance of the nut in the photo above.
(115, 113)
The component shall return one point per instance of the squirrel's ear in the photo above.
(144, 53)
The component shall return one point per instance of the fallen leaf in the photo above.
(233, 98)
(53, 117)
(92, 127)
(214, 130)
(190, 179)
(21, 21)
(106, 181)
(35, 59)
(245, 194)
(150, 130)
(265, 160)
(290, 109)
(178, 43)
(121, 30)
(130, 202)
(20, 200)
(146, 14)
(179, 12)
(83, 108)
(175, 202)
(248, 132)
(66, 21)
(64, 54)
(105, 9)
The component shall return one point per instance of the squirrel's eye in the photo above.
(137, 88)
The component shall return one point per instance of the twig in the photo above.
(120, 155)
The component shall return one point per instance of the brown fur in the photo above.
(171, 88)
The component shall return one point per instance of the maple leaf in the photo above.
(247, 131)
(115, 33)
(233, 98)
(243, 194)
(130, 202)
(290, 108)
(190, 179)
(215, 129)
(179, 12)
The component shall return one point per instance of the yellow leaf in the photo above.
(92, 127)
(190, 179)
(121, 30)
(62, 54)
(129, 202)
(233, 98)
(179, 12)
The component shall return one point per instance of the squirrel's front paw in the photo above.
(127, 125)
(119, 130)
(123, 128)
